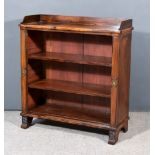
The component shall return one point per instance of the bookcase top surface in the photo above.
(75, 24)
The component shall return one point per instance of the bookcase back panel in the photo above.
(88, 103)
(60, 98)
(98, 45)
(63, 71)
(99, 104)
(63, 43)
(97, 75)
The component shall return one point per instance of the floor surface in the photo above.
(45, 138)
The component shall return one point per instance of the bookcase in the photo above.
(76, 70)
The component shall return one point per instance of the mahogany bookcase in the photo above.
(76, 70)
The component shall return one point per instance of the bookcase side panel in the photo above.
(114, 80)
(124, 77)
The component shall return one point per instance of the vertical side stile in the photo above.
(23, 34)
(115, 80)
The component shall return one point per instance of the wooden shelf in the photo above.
(72, 115)
(72, 87)
(73, 58)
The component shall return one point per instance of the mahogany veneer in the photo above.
(76, 70)
(73, 115)
(72, 87)
(72, 58)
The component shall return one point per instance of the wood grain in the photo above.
(72, 87)
(124, 80)
(114, 76)
(72, 58)
(23, 70)
(76, 24)
(69, 115)
(76, 70)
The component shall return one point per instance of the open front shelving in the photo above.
(76, 70)
(71, 67)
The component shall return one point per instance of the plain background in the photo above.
(138, 10)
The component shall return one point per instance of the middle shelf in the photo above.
(72, 87)
(73, 58)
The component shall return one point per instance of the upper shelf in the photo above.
(73, 58)
(76, 24)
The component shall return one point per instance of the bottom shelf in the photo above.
(71, 115)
